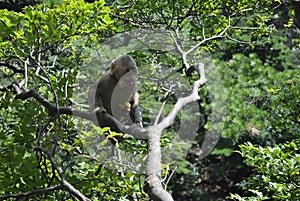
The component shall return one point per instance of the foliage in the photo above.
(276, 172)
(284, 114)
(41, 41)
(41, 48)
(276, 167)
(267, 113)
(265, 96)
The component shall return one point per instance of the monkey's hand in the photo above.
(99, 109)
(125, 107)
(99, 112)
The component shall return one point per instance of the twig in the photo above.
(220, 35)
(170, 177)
(58, 169)
(159, 113)
(238, 41)
(33, 192)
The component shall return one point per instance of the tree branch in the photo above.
(220, 35)
(12, 67)
(65, 183)
(133, 130)
(153, 184)
(194, 96)
(33, 192)
(184, 54)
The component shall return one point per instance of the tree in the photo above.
(48, 52)
(37, 52)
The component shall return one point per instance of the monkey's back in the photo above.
(104, 91)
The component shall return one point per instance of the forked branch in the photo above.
(134, 130)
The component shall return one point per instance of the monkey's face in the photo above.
(124, 69)
(126, 77)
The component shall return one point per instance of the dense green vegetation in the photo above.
(239, 142)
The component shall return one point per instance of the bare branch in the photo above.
(169, 178)
(37, 73)
(192, 49)
(26, 73)
(238, 41)
(153, 185)
(133, 130)
(178, 48)
(65, 183)
(15, 69)
(155, 189)
(220, 35)
(33, 192)
(17, 88)
(245, 28)
(194, 96)
(242, 11)
(159, 113)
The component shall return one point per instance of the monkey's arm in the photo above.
(94, 98)
(99, 103)
(138, 116)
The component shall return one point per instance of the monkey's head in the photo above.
(124, 69)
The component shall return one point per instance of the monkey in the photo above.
(115, 91)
